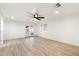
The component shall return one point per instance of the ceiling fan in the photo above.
(34, 16)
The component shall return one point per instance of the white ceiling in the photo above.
(19, 10)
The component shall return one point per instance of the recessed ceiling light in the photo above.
(12, 17)
(56, 11)
(34, 11)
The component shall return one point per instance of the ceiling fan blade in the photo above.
(40, 17)
(37, 18)
(28, 13)
(28, 17)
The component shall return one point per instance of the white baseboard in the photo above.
(69, 43)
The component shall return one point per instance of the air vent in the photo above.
(58, 5)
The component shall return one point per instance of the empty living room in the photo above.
(39, 29)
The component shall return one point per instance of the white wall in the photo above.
(14, 29)
(64, 29)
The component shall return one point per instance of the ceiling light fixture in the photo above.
(12, 17)
(56, 11)
(35, 19)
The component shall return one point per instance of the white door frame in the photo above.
(2, 40)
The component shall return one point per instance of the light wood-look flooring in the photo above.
(37, 46)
